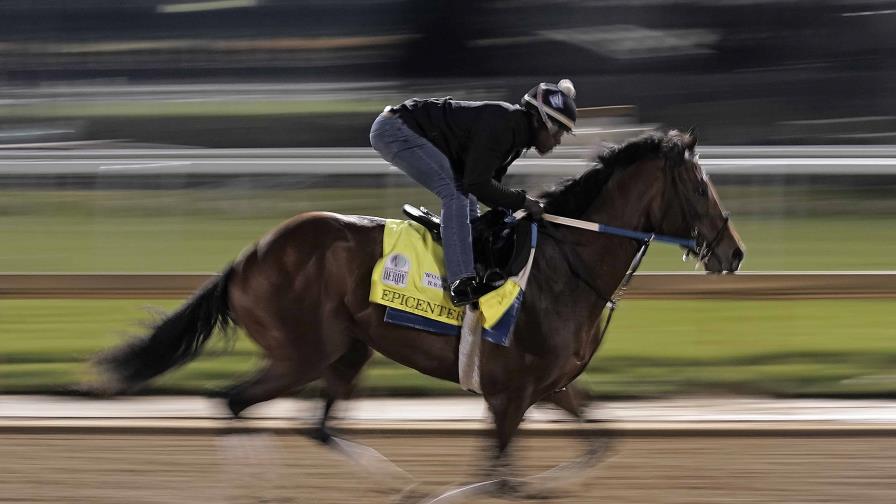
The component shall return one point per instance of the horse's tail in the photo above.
(178, 339)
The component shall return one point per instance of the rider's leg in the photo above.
(429, 167)
(474, 207)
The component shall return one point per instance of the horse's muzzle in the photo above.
(737, 257)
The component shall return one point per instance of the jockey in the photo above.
(460, 151)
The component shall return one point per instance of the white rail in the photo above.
(842, 160)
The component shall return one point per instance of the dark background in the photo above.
(742, 72)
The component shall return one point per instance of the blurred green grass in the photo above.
(818, 347)
(202, 230)
(783, 348)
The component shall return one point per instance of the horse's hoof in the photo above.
(516, 488)
(233, 428)
(321, 436)
(409, 495)
(510, 486)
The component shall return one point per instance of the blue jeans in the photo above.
(426, 164)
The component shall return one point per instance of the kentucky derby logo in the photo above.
(556, 100)
(396, 269)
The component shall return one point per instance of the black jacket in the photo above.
(481, 139)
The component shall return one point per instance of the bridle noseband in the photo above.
(704, 249)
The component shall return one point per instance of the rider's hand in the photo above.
(533, 207)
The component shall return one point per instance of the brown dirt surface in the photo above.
(268, 468)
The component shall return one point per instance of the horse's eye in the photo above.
(702, 191)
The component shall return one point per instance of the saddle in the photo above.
(501, 244)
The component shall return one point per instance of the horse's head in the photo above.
(691, 207)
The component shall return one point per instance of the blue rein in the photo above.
(690, 244)
(642, 236)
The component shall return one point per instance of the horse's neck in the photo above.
(624, 203)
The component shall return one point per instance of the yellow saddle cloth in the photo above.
(411, 277)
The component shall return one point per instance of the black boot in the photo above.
(466, 290)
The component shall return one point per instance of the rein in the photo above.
(644, 238)
(627, 233)
(633, 267)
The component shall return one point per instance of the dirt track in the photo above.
(290, 469)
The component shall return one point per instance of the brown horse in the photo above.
(302, 292)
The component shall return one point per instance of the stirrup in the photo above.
(425, 218)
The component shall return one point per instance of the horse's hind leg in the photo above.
(275, 379)
(257, 453)
(296, 353)
(340, 380)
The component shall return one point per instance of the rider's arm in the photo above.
(487, 154)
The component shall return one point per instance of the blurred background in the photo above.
(164, 136)
(145, 140)
(277, 73)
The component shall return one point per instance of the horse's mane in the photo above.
(572, 196)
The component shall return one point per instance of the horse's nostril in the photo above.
(736, 257)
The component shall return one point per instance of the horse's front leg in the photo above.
(508, 409)
(570, 399)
